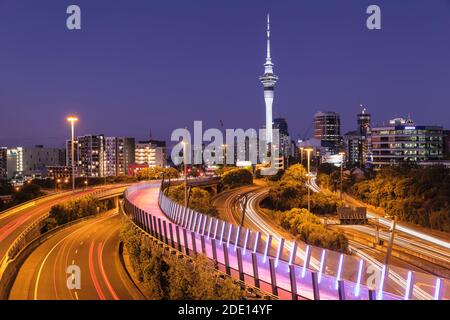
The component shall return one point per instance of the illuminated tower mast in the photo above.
(268, 80)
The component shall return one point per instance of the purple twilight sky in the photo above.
(156, 65)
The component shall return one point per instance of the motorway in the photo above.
(15, 220)
(410, 238)
(93, 246)
(230, 205)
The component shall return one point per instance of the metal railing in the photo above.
(252, 255)
(182, 252)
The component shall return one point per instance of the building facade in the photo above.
(356, 144)
(61, 172)
(3, 163)
(32, 161)
(119, 154)
(110, 156)
(91, 155)
(402, 141)
(353, 144)
(327, 128)
(446, 137)
(151, 153)
(285, 140)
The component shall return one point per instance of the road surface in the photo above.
(14, 221)
(410, 238)
(93, 246)
(230, 205)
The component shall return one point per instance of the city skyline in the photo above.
(145, 87)
(225, 151)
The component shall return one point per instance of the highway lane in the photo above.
(406, 237)
(93, 246)
(14, 222)
(433, 243)
(231, 205)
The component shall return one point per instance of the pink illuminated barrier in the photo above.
(285, 270)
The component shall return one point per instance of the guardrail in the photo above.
(31, 237)
(248, 255)
(33, 230)
(9, 268)
(251, 290)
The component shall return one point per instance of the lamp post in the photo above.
(308, 153)
(72, 120)
(57, 181)
(342, 154)
(224, 151)
(185, 173)
(301, 155)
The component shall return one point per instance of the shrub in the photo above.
(236, 178)
(414, 194)
(169, 277)
(200, 199)
(308, 228)
(63, 213)
(156, 172)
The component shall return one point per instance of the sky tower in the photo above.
(268, 80)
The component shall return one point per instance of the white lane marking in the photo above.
(42, 265)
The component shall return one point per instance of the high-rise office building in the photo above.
(364, 121)
(91, 149)
(354, 149)
(110, 156)
(285, 141)
(151, 153)
(119, 154)
(446, 137)
(357, 143)
(125, 154)
(3, 163)
(402, 141)
(327, 128)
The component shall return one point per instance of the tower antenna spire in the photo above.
(268, 80)
(268, 59)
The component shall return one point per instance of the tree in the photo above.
(414, 194)
(295, 173)
(173, 276)
(308, 228)
(286, 195)
(200, 200)
(26, 193)
(327, 168)
(157, 172)
(236, 178)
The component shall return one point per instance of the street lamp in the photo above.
(308, 153)
(342, 154)
(56, 184)
(224, 151)
(72, 120)
(185, 172)
(301, 155)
